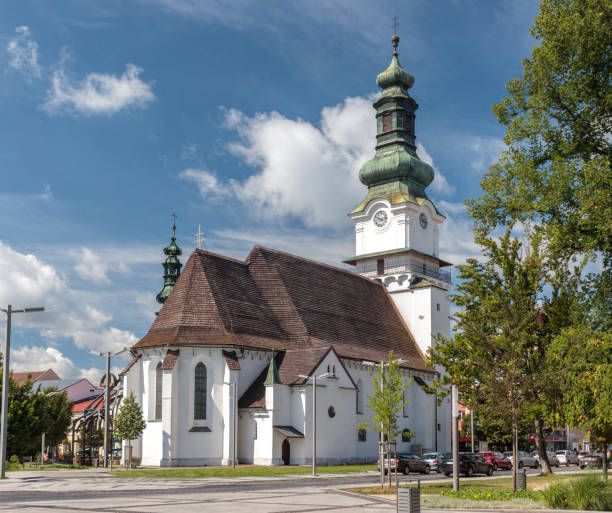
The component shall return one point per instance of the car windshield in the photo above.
(430, 456)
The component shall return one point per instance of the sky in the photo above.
(247, 118)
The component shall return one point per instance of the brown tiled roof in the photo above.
(275, 300)
(170, 359)
(290, 365)
(130, 365)
(231, 358)
(22, 377)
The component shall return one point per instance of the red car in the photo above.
(497, 459)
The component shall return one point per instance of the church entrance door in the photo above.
(286, 452)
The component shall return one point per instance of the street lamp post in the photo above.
(108, 356)
(314, 378)
(5, 381)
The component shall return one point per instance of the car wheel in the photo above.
(427, 469)
(406, 470)
(510, 466)
(490, 471)
(537, 464)
(470, 471)
(447, 474)
(494, 466)
(520, 464)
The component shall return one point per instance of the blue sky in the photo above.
(249, 118)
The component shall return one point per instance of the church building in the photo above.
(225, 371)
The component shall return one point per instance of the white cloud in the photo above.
(98, 93)
(36, 358)
(439, 184)
(91, 267)
(208, 184)
(456, 237)
(23, 53)
(484, 151)
(28, 281)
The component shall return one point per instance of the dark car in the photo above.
(591, 459)
(497, 459)
(469, 464)
(407, 462)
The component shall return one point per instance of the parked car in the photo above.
(591, 459)
(497, 459)
(552, 458)
(567, 458)
(525, 460)
(406, 462)
(435, 459)
(469, 464)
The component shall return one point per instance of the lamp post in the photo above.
(108, 356)
(5, 381)
(455, 408)
(314, 378)
(383, 365)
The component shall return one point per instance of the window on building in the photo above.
(361, 435)
(380, 266)
(387, 122)
(401, 119)
(406, 435)
(359, 398)
(254, 429)
(200, 392)
(334, 371)
(406, 408)
(159, 376)
(438, 307)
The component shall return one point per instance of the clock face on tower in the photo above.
(423, 221)
(380, 218)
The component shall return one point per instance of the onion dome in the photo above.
(396, 173)
(172, 267)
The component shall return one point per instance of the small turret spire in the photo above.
(172, 265)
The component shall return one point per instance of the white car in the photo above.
(525, 460)
(552, 458)
(567, 458)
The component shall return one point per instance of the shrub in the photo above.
(492, 494)
(588, 493)
(14, 459)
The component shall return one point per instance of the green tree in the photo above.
(583, 361)
(129, 423)
(387, 401)
(56, 415)
(492, 356)
(555, 172)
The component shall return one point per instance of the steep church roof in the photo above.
(275, 300)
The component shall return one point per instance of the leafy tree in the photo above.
(555, 171)
(32, 412)
(489, 426)
(492, 356)
(129, 423)
(583, 360)
(387, 401)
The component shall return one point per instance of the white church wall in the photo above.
(247, 434)
(251, 366)
(414, 306)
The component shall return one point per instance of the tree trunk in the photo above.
(514, 454)
(605, 461)
(541, 447)
(129, 454)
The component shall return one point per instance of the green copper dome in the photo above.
(172, 267)
(396, 173)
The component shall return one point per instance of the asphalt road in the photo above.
(51, 493)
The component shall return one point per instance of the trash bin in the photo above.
(409, 499)
(521, 480)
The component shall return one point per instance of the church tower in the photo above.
(172, 266)
(397, 225)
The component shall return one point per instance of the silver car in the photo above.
(552, 458)
(525, 460)
(435, 459)
(567, 458)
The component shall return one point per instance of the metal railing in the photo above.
(404, 263)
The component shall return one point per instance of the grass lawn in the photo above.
(16, 466)
(239, 471)
(491, 493)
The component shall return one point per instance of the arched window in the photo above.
(159, 376)
(359, 403)
(199, 392)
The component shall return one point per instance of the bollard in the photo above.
(521, 480)
(409, 499)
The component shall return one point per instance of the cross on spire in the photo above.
(174, 216)
(199, 238)
(395, 25)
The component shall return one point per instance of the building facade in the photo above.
(224, 372)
